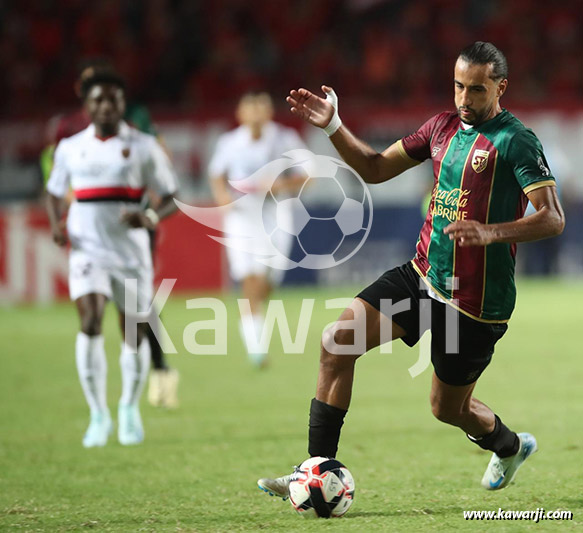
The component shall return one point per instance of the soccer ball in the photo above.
(321, 487)
(328, 234)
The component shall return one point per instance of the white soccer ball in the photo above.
(321, 487)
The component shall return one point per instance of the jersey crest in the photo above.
(480, 160)
(543, 168)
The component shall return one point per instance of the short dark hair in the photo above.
(105, 77)
(482, 53)
(95, 63)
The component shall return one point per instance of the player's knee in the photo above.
(330, 359)
(327, 345)
(142, 330)
(334, 337)
(91, 324)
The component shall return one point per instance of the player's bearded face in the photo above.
(476, 93)
(106, 105)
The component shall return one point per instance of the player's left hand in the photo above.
(470, 233)
(137, 219)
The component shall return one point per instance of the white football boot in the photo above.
(163, 388)
(501, 471)
(129, 425)
(170, 389)
(275, 487)
(98, 431)
(155, 388)
(258, 360)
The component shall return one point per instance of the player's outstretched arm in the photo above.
(323, 113)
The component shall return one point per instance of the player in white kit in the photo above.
(109, 166)
(239, 154)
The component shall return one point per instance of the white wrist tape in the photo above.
(335, 121)
(152, 216)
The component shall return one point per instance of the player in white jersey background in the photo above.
(109, 166)
(163, 389)
(240, 153)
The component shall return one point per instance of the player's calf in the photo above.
(449, 415)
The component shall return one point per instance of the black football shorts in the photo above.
(475, 339)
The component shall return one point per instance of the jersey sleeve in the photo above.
(417, 145)
(60, 178)
(219, 162)
(160, 175)
(527, 159)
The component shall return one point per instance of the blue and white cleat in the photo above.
(501, 472)
(258, 360)
(98, 431)
(275, 487)
(129, 425)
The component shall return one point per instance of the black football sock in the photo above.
(158, 359)
(325, 425)
(502, 441)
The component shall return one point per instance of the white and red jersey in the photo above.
(238, 155)
(109, 177)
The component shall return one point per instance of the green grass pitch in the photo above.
(198, 466)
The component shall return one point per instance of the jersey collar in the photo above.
(123, 131)
(470, 131)
(266, 131)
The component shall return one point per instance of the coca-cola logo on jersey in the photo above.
(450, 204)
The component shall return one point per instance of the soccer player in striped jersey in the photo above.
(109, 166)
(486, 166)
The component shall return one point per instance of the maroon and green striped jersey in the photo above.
(481, 173)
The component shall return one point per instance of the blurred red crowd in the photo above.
(190, 54)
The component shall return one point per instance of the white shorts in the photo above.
(88, 276)
(246, 263)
